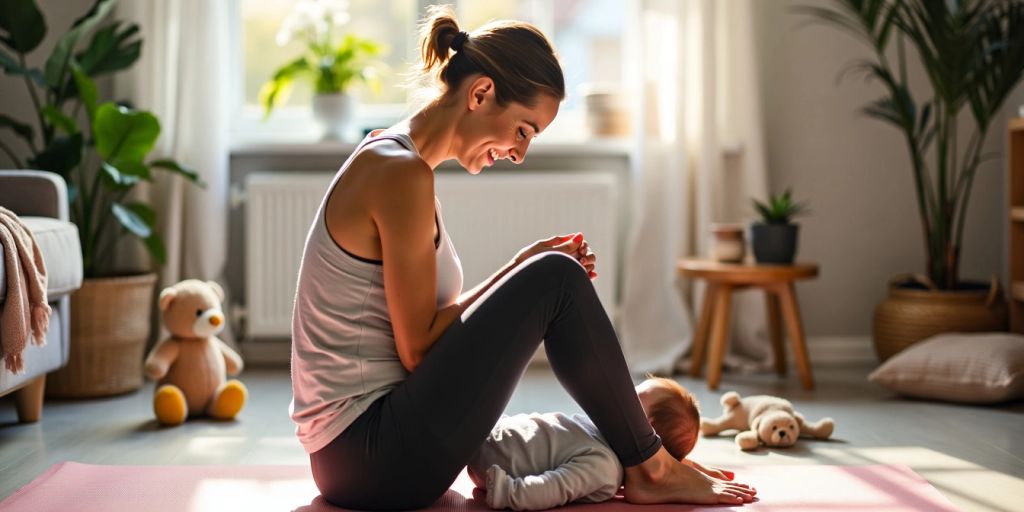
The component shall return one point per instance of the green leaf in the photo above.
(123, 134)
(155, 246)
(135, 168)
(144, 211)
(86, 91)
(57, 65)
(23, 130)
(885, 110)
(114, 178)
(111, 50)
(10, 65)
(62, 155)
(763, 210)
(13, 68)
(131, 219)
(125, 174)
(59, 119)
(188, 172)
(22, 26)
(922, 123)
(276, 91)
(779, 209)
(140, 219)
(882, 37)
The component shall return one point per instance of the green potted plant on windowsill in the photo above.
(333, 66)
(774, 239)
(972, 53)
(102, 158)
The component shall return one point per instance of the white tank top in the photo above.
(343, 347)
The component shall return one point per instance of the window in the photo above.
(586, 33)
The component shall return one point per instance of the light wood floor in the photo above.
(973, 455)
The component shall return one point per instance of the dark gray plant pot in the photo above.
(774, 243)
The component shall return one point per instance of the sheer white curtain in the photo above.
(699, 158)
(182, 77)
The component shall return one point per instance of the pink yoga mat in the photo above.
(70, 486)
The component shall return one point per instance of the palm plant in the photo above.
(972, 52)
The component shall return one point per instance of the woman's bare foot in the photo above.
(720, 474)
(663, 479)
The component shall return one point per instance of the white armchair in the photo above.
(40, 200)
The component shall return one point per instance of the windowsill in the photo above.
(298, 134)
(590, 147)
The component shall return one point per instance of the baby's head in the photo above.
(673, 413)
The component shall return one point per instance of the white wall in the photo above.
(856, 174)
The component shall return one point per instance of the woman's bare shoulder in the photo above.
(392, 172)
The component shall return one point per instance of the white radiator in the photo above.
(489, 217)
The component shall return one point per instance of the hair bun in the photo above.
(459, 40)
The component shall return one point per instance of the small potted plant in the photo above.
(333, 66)
(774, 239)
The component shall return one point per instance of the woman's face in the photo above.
(490, 132)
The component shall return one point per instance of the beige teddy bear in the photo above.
(191, 365)
(763, 419)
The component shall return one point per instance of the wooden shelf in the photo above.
(1015, 238)
(1017, 291)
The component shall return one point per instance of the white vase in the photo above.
(335, 113)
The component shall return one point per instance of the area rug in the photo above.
(86, 488)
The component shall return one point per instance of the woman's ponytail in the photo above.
(437, 32)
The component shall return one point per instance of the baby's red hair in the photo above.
(675, 417)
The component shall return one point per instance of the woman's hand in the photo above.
(572, 244)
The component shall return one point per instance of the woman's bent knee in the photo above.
(553, 264)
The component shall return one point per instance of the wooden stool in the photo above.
(722, 279)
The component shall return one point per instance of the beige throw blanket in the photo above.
(25, 307)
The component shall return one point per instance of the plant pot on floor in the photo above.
(916, 309)
(774, 243)
(335, 113)
(110, 322)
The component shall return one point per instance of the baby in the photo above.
(538, 461)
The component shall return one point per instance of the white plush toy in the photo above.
(763, 419)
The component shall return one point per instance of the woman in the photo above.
(397, 377)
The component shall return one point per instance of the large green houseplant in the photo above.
(102, 155)
(972, 54)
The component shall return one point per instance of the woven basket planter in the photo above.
(916, 309)
(110, 322)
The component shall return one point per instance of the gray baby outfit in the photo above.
(539, 461)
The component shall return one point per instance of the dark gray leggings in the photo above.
(405, 451)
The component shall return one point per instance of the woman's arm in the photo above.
(403, 210)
